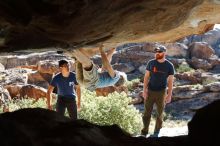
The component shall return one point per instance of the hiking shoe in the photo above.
(156, 134)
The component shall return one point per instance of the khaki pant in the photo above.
(158, 98)
(88, 79)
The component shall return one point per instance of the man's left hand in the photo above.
(168, 99)
(78, 107)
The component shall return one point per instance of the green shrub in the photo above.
(209, 80)
(197, 87)
(17, 104)
(184, 67)
(129, 84)
(113, 109)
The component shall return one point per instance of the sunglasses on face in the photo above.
(159, 52)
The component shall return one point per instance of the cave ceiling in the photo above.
(73, 24)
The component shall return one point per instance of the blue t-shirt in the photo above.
(159, 73)
(65, 85)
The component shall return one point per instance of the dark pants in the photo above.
(158, 98)
(69, 103)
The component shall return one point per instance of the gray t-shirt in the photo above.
(65, 85)
(159, 73)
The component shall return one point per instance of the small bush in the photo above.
(113, 109)
(197, 87)
(209, 81)
(130, 84)
(17, 104)
(184, 67)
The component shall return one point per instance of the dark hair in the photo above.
(62, 62)
(59, 52)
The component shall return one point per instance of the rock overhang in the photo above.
(29, 24)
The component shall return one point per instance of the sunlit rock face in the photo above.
(73, 24)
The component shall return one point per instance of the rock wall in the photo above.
(74, 24)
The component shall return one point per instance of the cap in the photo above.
(160, 49)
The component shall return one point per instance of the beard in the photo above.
(159, 56)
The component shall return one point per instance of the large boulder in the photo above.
(177, 50)
(42, 127)
(124, 67)
(213, 87)
(192, 77)
(208, 78)
(32, 91)
(204, 127)
(12, 61)
(39, 79)
(13, 76)
(201, 50)
(48, 59)
(27, 91)
(198, 63)
(21, 125)
(111, 89)
(137, 54)
(14, 90)
(48, 66)
(51, 66)
(211, 37)
(186, 92)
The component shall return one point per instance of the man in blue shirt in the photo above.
(67, 90)
(159, 75)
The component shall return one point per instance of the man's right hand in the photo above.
(48, 96)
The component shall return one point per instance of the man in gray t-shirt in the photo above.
(88, 75)
(159, 75)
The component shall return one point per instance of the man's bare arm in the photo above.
(78, 92)
(49, 96)
(109, 55)
(146, 81)
(106, 63)
(82, 58)
(89, 52)
(170, 88)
